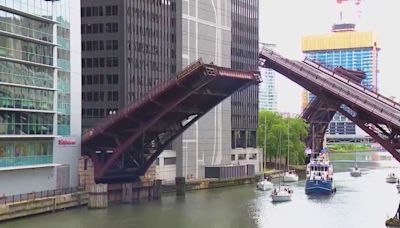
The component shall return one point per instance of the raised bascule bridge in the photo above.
(338, 89)
(123, 146)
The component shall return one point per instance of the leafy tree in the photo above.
(276, 135)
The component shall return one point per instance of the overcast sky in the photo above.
(283, 22)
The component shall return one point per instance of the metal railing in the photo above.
(36, 195)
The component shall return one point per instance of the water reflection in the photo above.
(366, 201)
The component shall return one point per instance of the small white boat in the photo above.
(290, 176)
(391, 178)
(355, 172)
(283, 195)
(264, 185)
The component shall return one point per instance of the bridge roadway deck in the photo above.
(313, 77)
(123, 146)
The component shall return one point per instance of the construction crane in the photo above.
(357, 4)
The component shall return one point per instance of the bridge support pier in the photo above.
(157, 189)
(98, 196)
(127, 194)
(180, 186)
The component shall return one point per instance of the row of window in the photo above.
(23, 50)
(95, 11)
(95, 45)
(99, 28)
(99, 96)
(25, 26)
(144, 64)
(39, 8)
(23, 123)
(18, 153)
(100, 62)
(23, 74)
(98, 79)
(242, 157)
(25, 98)
(97, 112)
(147, 48)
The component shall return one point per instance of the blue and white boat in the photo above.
(319, 175)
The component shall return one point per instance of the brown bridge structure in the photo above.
(339, 90)
(123, 146)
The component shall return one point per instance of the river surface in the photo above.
(365, 202)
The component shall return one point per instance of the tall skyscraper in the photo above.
(206, 34)
(128, 47)
(244, 53)
(267, 90)
(348, 48)
(40, 95)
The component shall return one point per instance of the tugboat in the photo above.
(319, 175)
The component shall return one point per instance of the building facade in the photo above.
(353, 50)
(244, 56)
(40, 95)
(267, 92)
(206, 34)
(128, 48)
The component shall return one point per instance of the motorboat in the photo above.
(319, 175)
(281, 195)
(264, 185)
(355, 172)
(290, 176)
(391, 178)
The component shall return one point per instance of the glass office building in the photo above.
(350, 49)
(36, 81)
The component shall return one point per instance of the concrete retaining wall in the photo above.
(42, 205)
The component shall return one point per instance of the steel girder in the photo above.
(375, 114)
(124, 146)
(319, 113)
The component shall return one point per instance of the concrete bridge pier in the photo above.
(157, 189)
(127, 193)
(98, 196)
(180, 186)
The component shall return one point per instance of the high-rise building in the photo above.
(348, 48)
(267, 89)
(128, 47)
(244, 56)
(206, 34)
(40, 95)
(267, 92)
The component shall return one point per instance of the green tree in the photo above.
(276, 135)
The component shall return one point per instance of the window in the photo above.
(109, 96)
(109, 79)
(100, 11)
(89, 79)
(95, 79)
(101, 62)
(83, 63)
(115, 44)
(83, 79)
(253, 157)
(115, 79)
(233, 157)
(115, 61)
(114, 10)
(114, 27)
(101, 79)
(101, 28)
(108, 44)
(108, 27)
(115, 96)
(83, 45)
(108, 10)
(169, 161)
(242, 157)
(88, 11)
(109, 61)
